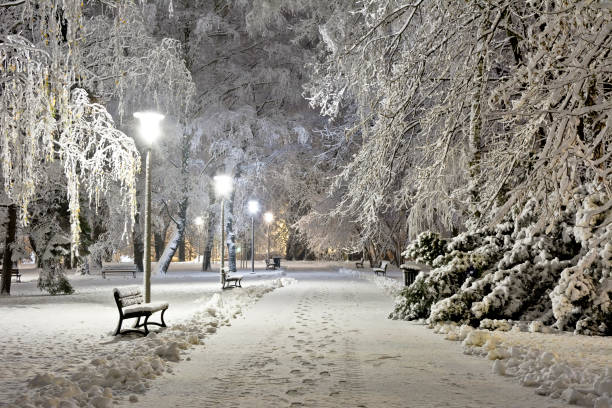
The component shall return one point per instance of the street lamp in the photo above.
(223, 186)
(199, 222)
(149, 131)
(253, 209)
(268, 218)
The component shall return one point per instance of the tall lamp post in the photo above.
(223, 186)
(149, 131)
(268, 218)
(253, 209)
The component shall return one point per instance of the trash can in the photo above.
(409, 275)
(276, 261)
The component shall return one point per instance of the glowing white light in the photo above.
(253, 207)
(223, 185)
(268, 217)
(198, 221)
(149, 125)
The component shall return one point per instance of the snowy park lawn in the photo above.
(54, 344)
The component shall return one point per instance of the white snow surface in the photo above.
(573, 368)
(60, 352)
(325, 341)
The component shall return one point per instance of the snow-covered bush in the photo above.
(52, 276)
(517, 271)
(581, 298)
(53, 280)
(425, 248)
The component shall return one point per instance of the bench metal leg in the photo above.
(118, 327)
(146, 332)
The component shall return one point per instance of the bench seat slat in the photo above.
(145, 307)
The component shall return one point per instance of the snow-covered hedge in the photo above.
(516, 271)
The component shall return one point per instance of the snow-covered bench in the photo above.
(119, 268)
(382, 269)
(14, 272)
(359, 263)
(270, 264)
(228, 280)
(131, 305)
(411, 270)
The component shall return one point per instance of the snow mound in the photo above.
(135, 361)
(542, 370)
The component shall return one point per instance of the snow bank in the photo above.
(544, 370)
(576, 369)
(390, 286)
(127, 369)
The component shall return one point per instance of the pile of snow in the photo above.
(543, 370)
(390, 286)
(127, 369)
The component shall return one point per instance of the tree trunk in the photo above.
(7, 260)
(210, 239)
(158, 243)
(181, 250)
(210, 230)
(181, 222)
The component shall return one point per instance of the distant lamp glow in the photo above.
(253, 207)
(198, 221)
(149, 125)
(268, 217)
(223, 185)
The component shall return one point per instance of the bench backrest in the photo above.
(384, 264)
(128, 296)
(120, 267)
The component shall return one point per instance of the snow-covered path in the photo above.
(326, 341)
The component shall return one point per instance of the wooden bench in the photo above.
(119, 268)
(228, 281)
(14, 272)
(411, 270)
(382, 269)
(359, 263)
(130, 304)
(270, 264)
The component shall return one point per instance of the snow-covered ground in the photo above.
(576, 369)
(323, 340)
(54, 344)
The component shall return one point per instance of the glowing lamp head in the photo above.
(223, 185)
(149, 125)
(199, 221)
(253, 207)
(268, 217)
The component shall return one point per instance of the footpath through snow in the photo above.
(326, 342)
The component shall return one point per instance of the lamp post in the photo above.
(199, 222)
(149, 131)
(268, 218)
(253, 209)
(223, 186)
